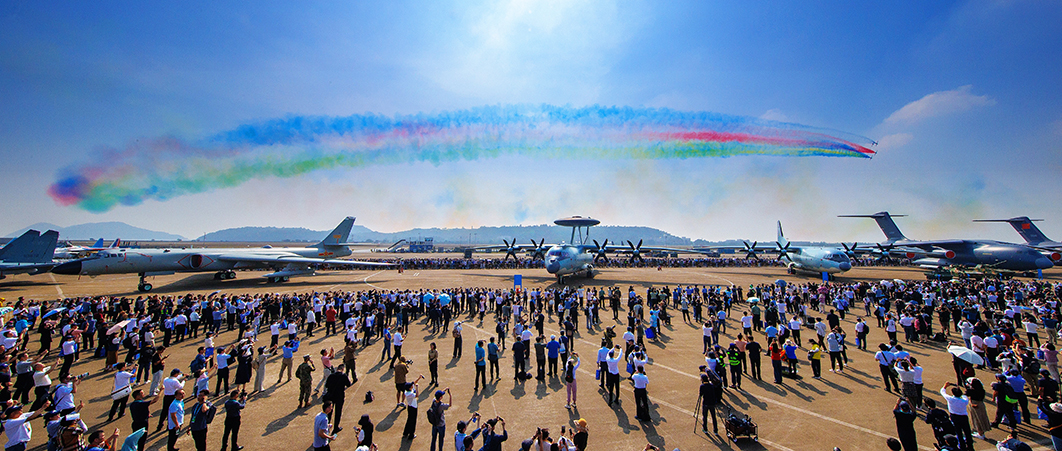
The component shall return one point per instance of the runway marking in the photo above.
(58, 289)
(709, 275)
(366, 280)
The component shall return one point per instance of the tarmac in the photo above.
(850, 411)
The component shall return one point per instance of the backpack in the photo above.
(569, 375)
(433, 414)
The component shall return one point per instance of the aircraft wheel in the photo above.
(144, 287)
(271, 280)
(219, 275)
(230, 274)
(284, 279)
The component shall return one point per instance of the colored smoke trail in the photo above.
(163, 168)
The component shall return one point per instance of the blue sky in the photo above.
(963, 98)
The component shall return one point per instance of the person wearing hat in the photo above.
(17, 428)
(305, 376)
(582, 434)
(438, 428)
(492, 440)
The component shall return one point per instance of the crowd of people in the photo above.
(998, 321)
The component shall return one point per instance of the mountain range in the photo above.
(105, 230)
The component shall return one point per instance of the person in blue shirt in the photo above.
(790, 355)
(492, 357)
(97, 442)
(481, 365)
(287, 352)
(552, 353)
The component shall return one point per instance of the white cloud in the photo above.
(775, 115)
(893, 141)
(939, 103)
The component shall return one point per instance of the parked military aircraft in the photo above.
(1032, 235)
(285, 262)
(806, 259)
(70, 251)
(578, 257)
(937, 253)
(29, 253)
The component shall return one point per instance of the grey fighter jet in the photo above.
(29, 253)
(285, 262)
(940, 253)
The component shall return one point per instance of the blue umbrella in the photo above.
(53, 312)
(130, 443)
(780, 283)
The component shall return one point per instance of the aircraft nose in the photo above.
(69, 268)
(552, 266)
(1044, 263)
(845, 266)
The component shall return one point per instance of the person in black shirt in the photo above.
(905, 417)
(200, 422)
(711, 394)
(140, 411)
(939, 420)
(336, 391)
(754, 351)
(1048, 386)
(237, 401)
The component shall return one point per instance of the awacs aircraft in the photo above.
(938, 253)
(807, 259)
(285, 262)
(577, 258)
(1032, 235)
(30, 253)
(70, 251)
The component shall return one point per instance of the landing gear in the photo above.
(277, 279)
(143, 287)
(560, 279)
(225, 275)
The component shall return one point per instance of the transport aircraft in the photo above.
(1032, 235)
(806, 259)
(285, 262)
(940, 253)
(29, 253)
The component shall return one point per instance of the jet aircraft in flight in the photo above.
(285, 262)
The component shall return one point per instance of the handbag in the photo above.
(121, 393)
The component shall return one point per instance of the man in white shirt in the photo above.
(17, 426)
(794, 329)
(612, 359)
(746, 324)
(641, 396)
(170, 386)
(396, 341)
(174, 419)
(122, 381)
(957, 411)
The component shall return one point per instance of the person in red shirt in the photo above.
(330, 320)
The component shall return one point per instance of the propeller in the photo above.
(885, 253)
(540, 252)
(636, 251)
(783, 251)
(601, 252)
(510, 249)
(750, 251)
(851, 250)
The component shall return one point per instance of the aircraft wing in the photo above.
(23, 268)
(285, 259)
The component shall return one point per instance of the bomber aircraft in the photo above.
(29, 253)
(285, 262)
(940, 253)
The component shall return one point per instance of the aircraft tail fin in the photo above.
(885, 222)
(1025, 227)
(98, 244)
(781, 237)
(116, 244)
(31, 247)
(338, 237)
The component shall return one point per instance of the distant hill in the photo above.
(479, 235)
(105, 230)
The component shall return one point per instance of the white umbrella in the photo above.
(753, 300)
(966, 354)
(117, 327)
(53, 312)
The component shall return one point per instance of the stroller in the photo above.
(739, 425)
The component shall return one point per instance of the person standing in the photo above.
(492, 359)
(457, 339)
(396, 341)
(326, 368)
(438, 427)
(957, 404)
(711, 394)
(233, 408)
(287, 353)
(433, 364)
(260, 369)
(602, 365)
(17, 427)
(139, 412)
(641, 395)
(570, 366)
(400, 372)
(170, 386)
(410, 431)
(120, 392)
(305, 375)
(754, 351)
(613, 360)
(321, 437)
(336, 391)
(905, 418)
(202, 413)
(540, 358)
(481, 365)
(174, 419)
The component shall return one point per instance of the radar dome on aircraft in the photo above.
(577, 221)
